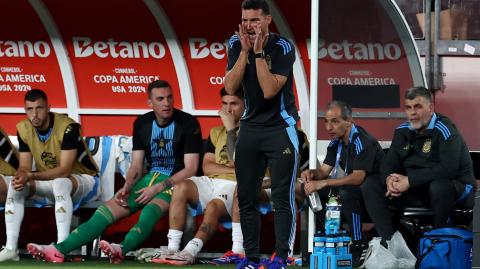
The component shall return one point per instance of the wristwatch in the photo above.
(260, 55)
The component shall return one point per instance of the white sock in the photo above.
(174, 238)
(62, 187)
(237, 238)
(194, 246)
(14, 211)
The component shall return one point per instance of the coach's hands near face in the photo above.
(260, 39)
(244, 40)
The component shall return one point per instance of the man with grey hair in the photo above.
(428, 163)
(352, 156)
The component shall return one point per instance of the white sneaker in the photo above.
(9, 255)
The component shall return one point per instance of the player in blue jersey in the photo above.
(170, 141)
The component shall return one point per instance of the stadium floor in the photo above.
(91, 264)
(27, 263)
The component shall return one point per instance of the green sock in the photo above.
(151, 213)
(88, 231)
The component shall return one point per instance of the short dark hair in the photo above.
(256, 4)
(35, 94)
(345, 108)
(415, 92)
(157, 84)
(238, 93)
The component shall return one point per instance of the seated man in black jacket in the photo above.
(428, 162)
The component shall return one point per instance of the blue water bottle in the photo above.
(319, 243)
(346, 242)
(340, 246)
(343, 247)
(331, 244)
(332, 215)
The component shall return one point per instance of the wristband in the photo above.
(260, 55)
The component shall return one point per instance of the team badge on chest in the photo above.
(161, 143)
(427, 146)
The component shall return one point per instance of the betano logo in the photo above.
(23, 48)
(200, 49)
(357, 51)
(84, 47)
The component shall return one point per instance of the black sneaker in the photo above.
(359, 253)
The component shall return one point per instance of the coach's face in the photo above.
(37, 113)
(419, 112)
(255, 18)
(335, 125)
(161, 101)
